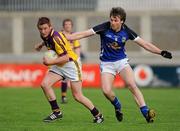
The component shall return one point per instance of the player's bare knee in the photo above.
(44, 85)
(108, 95)
(77, 97)
(107, 92)
(132, 86)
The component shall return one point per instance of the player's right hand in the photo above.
(38, 46)
(166, 54)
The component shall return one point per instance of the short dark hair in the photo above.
(118, 11)
(67, 20)
(43, 20)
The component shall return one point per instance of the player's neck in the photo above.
(66, 32)
(118, 29)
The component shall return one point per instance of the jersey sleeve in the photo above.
(59, 45)
(131, 33)
(98, 29)
(76, 44)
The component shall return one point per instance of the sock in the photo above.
(94, 112)
(54, 106)
(63, 88)
(116, 104)
(144, 110)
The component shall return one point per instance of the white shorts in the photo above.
(69, 71)
(113, 67)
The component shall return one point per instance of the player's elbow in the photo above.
(68, 37)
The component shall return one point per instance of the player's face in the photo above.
(68, 26)
(45, 30)
(115, 23)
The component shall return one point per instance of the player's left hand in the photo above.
(166, 54)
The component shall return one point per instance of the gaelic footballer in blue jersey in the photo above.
(113, 35)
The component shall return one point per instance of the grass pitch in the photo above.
(22, 109)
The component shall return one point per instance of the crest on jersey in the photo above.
(123, 39)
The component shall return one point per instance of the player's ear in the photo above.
(122, 22)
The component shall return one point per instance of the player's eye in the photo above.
(116, 21)
(45, 28)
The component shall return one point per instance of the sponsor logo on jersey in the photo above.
(114, 46)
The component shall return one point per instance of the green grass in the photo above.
(23, 109)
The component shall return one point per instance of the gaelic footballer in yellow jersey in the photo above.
(69, 69)
(67, 29)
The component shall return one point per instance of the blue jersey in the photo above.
(113, 43)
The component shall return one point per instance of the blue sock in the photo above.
(116, 103)
(144, 110)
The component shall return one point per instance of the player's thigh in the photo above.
(107, 81)
(76, 87)
(128, 75)
(51, 78)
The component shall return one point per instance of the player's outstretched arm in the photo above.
(80, 35)
(152, 48)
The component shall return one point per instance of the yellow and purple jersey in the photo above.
(57, 41)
